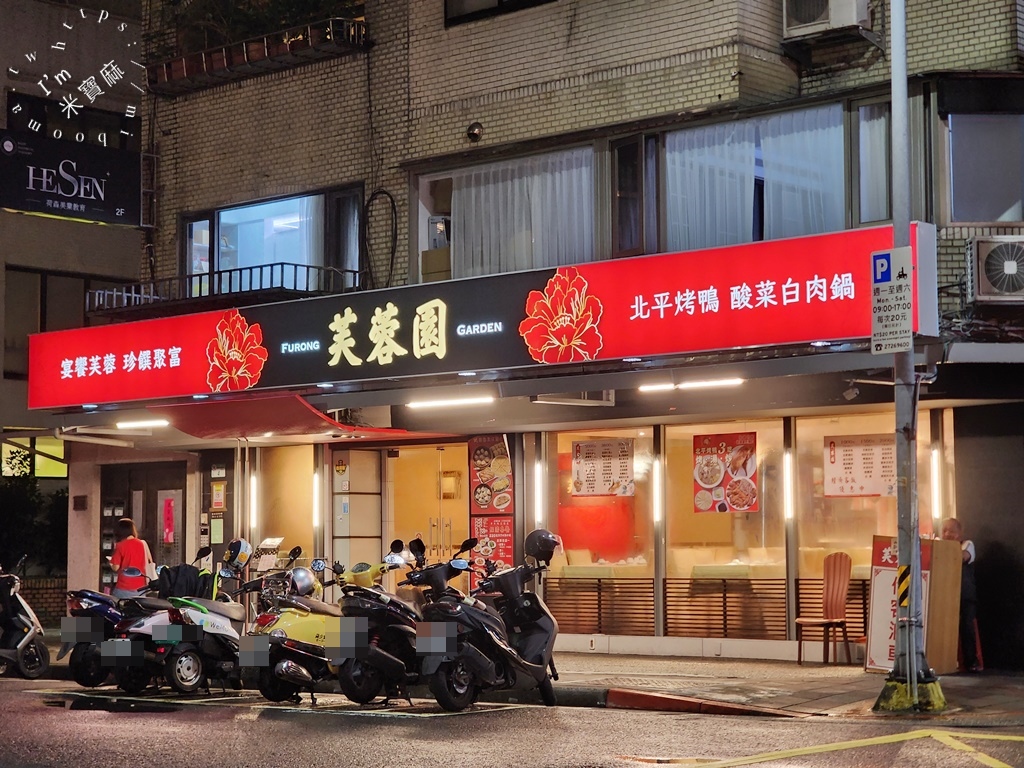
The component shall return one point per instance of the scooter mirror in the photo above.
(226, 573)
(294, 552)
(319, 565)
(394, 559)
(338, 569)
(397, 546)
(467, 545)
(417, 547)
(460, 564)
(203, 552)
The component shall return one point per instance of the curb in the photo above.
(623, 698)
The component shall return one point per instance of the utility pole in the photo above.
(911, 684)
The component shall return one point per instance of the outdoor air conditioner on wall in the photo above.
(809, 17)
(995, 269)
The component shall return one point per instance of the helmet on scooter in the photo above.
(541, 545)
(238, 552)
(303, 582)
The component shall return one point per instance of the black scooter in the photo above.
(21, 634)
(494, 645)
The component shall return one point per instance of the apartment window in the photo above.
(635, 196)
(272, 244)
(461, 11)
(526, 213)
(776, 176)
(37, 301)
(986, 161)
(83, 125)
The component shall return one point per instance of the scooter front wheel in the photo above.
(34, 659)
(183, 669)
(359, 681)
(453, 685)
(87, 665)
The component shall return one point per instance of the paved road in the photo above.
(55, 723)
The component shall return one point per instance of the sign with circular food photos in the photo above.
(725, 472)
(495, 537)
(490, 473)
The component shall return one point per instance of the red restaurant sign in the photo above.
(763, 294)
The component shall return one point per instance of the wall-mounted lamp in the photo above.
(475, 131)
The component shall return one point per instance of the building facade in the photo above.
(426, 147)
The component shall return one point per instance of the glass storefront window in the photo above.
(605, 503)
(844, 519)
(724, 504)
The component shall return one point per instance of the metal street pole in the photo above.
(911, 683)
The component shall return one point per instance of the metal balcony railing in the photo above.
(282, 279)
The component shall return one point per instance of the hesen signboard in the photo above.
(68, 179)
(761, 294)
(892, 301)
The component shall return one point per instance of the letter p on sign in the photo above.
(882, 272)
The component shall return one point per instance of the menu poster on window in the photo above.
(495, 537)
(603, 468)
(881, 647)
(725, 472)
(860, 465)
(490, 475)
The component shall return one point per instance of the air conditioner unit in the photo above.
(801, 18)
(995, 269)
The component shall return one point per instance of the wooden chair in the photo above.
(833, 608)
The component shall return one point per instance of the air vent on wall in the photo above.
(995, 269)
(811, 17)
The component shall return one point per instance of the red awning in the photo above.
(264, 416)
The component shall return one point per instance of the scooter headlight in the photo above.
(278, 633)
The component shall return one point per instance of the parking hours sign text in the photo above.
(892, 303)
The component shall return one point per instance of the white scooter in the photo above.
(21, 634)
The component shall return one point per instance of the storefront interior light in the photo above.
(787, 484)
(467, 373)
(316, 499)
(325, 385)
(659, 501)
(936, 486)
(200, 397)
(657, 387)
(708, 383)
(252, 502)
(538, 494)
(142, 424)
(451, 403)
(89, 407)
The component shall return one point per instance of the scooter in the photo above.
(214, 642)
(97, 616)
(390, 660)
(494, 646)
(297, 630)
(21, 634)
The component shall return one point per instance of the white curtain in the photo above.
(523, 214)
(804, 182)
(709, 185)
(311, 221)
(873, 142)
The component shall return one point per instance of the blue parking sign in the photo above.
(881, 264)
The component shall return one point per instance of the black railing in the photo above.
(282, 278)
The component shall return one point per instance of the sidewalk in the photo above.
(743, 687)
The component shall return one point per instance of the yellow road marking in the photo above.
(948, 738)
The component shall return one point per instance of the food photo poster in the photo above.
(725, 472)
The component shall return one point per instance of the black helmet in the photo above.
(541, 545)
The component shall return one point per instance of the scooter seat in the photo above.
(147, 604)
(315, 606)
(231, 611)
(89, 594)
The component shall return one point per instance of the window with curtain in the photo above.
(986, 167)
(783, 173)
(873, 154)
(526, 213)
